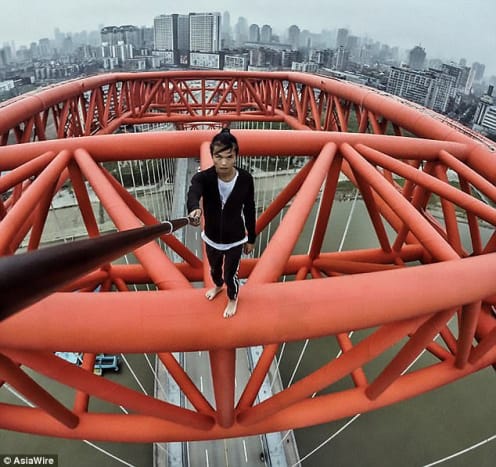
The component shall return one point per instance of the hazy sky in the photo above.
(448, 29)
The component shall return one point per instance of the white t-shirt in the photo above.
(225, 189)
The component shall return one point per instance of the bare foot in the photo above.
(212, 293)
(230, 308)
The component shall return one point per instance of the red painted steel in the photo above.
(418, 277)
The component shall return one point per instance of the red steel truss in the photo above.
(399, 157)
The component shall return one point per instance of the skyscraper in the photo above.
(266, 34)
(479, 70)
(165, 32)
(416, 58)
(431, 88)
(241, 30)
(294, 36)
(485, 116)
(342, 37)
(183, 32)
(226, 34)
(254, 33)
(204, 32)
(171, 34)
(128, 34)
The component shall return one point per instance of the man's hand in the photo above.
(248, 248)
(194, 217)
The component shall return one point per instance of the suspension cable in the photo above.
(345, 233)
(327, 440)
(463, 451)
(339, 353)
(348, 222)
(278, 361)
(94, 446)
(357, 415)
(112, 456)
(156, 377)
(298, 362)
(133, 373)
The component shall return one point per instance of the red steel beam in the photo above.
(159, 266)
(24, 207)
(130, 95)
(444, 285)
(186, 144)
(11, 373)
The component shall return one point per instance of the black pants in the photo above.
(224, 266)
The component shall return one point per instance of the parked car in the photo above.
(102, 361)
(107, 362)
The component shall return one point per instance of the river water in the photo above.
(75, 453)
(416, 432)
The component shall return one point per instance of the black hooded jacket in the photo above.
(237, 219)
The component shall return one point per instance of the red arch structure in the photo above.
(399, 156)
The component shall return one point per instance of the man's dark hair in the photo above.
(224, 140)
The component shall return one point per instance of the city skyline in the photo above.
(449, 30)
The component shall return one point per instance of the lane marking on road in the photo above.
(225, 453)
(246, 454)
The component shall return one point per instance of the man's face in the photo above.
(224, 160)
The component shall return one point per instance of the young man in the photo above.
(229, 215)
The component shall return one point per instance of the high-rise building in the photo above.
(443, 89)
(108, 35)
(470, 81)
(128, 34)
(254, 33)
(5, 55)
(171, 32)
(485, 115)
(413, 85)
(131, 35)
(45, 48)
(430, 88)
(305, 39)
(416, 58)
(204, 32)
(294, 36)
(353, 46)
(341, 38)
(241, 31)
(164, 32)
(183, 32)
(226, 23)
(226, 34)
(479, 70)
(456, 72)
(266, 34)
(147, 37)
(324, 57)
(342, 58)
(67, 45)
(58, 38)
(3, 58)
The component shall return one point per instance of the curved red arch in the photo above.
(407, 289)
